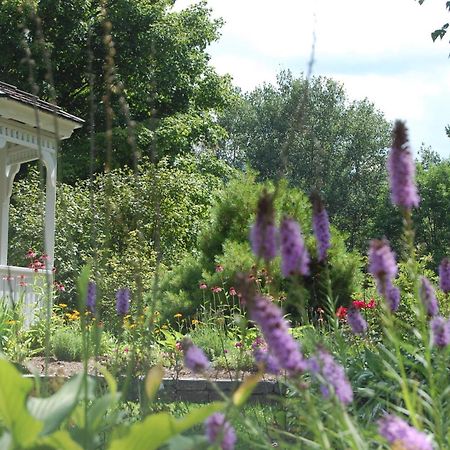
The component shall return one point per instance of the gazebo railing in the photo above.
(26, 289)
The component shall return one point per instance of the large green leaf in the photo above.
(55, 409)
(60, 440)
(14, 415)
(157, 429)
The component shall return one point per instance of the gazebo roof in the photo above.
(13, 93)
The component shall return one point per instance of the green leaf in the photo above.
(60, 440)
(82, 284)
(244, 391)
(153, 381)
(157, 429)
(187, 443)
(14, 415)
(55, 409)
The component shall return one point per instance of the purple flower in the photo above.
(392, 296)
(382, 263)
(91, 296)
(194, 357)
(356, 321)
(401, 435)
(428, 297)
(122, 301)
(270, 363)
(275, 329)
(402, 170)
(444, 275)
(263, 234)
(333, 374)
(294, 255)
(440, 328)
(321, 227)
(219, 431)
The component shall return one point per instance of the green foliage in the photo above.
(161, 64)
(224, 240)
(67, 345)
(309, 132)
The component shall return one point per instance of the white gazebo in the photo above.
(30, 130)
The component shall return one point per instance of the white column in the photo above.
(4, 207)
(50, 206)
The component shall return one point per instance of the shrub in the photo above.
(67, 345)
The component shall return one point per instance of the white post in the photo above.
(50, 206)
(4, 209)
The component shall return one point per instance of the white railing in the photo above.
(27, 289)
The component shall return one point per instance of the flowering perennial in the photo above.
(270, 363)
(294, 255)
(219, 431)
(264, 233)
(428, 297)
(276, 333)
(194, 357)
(440, 328)
(123, 301)
(401, 170)
(91, 296)
(401, 435)
(333, 374)
(444, 275)
(356, 321)
(382, 263)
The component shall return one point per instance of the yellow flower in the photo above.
(156, 313)
(11, 322)
(178, 315)
(195, 322)
(164, 327)
(62, 305)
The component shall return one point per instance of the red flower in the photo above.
(359, 304)
(371, 304)
(341, 312)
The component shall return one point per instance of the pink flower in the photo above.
(31, 254)
(238, 344)
(178, 346)
(219, 268)
(341, 312)
(232, 291)
(359, 304)
(203, 285)
(216, 289)
(371, 304)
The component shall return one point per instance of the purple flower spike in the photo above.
(392, 297)
(275, 329)
(194, 357)
(294, 255)
(402, 170)
(333, 373)
(382, 263)
(321, 227)
(264, 234)
(356, 321)
(401, 435)
(123, 301)
(219, 431)
(270, 363)
(444, 275)
(91, 296)
(440, 328)
(428, 297)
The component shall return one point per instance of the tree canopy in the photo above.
(308, 131)
(160, 62)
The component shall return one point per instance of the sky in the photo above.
(379, 49)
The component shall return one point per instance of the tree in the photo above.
(309, 132)
(160, 63)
